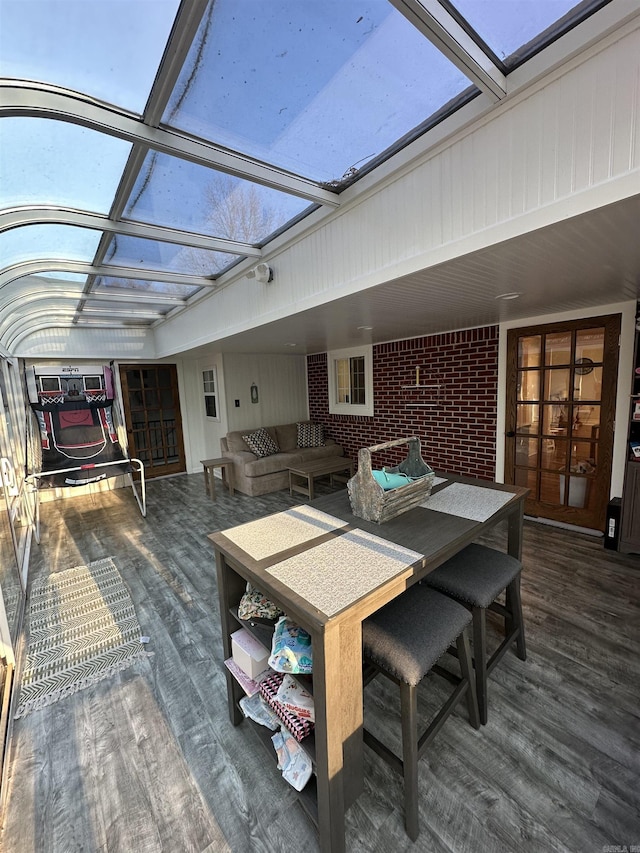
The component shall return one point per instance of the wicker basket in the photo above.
(371, 502)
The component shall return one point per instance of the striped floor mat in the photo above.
(82, 629)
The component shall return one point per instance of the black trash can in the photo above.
(612, 528)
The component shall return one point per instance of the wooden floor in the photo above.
(147, 761)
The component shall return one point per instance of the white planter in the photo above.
(577, 491)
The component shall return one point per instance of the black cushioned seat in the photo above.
(476, 576)
(403, 641)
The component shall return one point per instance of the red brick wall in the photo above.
(457, 432)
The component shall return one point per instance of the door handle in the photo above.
(510, 434)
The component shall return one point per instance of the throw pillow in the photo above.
(261, 443)
(287, 437)
(310, 435)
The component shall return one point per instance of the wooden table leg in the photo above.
(227, 476)
(514, 531)
(337, 689)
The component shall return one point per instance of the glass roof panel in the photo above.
(180, 194)
(48, 241)
(138, 284)
(506, 26)
(111, 322)
(48, 162)
(71, 277)
(120, 311)
(320, 88)
(128, 251)
(108, 49)
(41, 283)
(106, 305)
(315, 88)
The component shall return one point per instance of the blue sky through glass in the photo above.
(104, 283)
(109, 49)
(55, 242)
(506, 25)
(311, 87)
(184, 195)
(72, 278)
(151, 254)
(48, 162)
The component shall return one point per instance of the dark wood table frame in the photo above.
(337, 640)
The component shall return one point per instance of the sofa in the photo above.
(264, 466)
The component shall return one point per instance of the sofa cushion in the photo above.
(287, 437)
(310, 435)
(270, 464)
(261, 443)
(306, 454)
(236, 443)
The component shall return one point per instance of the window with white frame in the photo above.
(210, 388)
(351, 381)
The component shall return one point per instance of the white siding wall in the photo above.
(282, 389)
(566, 146)
(204, 432)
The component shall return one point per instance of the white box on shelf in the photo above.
(249, 654)
(250, 685)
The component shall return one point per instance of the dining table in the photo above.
(328, 570)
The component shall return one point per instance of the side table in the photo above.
(226, 469)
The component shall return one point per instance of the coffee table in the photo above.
(307, 472)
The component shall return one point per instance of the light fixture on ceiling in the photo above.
(507, 296)
(365, 328)
(262, 273)
(289, 344)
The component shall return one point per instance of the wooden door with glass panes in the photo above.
(561, 388)
(152, 416)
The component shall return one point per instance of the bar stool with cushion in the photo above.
(403, 641)
(476, 576)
